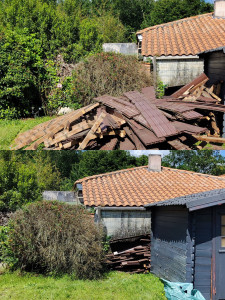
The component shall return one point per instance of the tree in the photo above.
(206, 161)
(170, 10)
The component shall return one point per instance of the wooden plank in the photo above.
(89, 136)
(126, 144)
(53, 129)
(177, 145)
(184, 127)
(139, 145)
(161, 126)
(210, 139)
(67, 134)
(191, 115)
(146, 136)
(195, 82)
(124, 109)
(149, 93)
(110, 145)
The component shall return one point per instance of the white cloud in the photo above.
(147, 152)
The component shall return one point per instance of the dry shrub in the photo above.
(108, 73)
(53, 237)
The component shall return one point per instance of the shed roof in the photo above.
(138, 186)
(188, 36)
(195, 201)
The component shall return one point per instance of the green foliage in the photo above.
(170, 10)
(160, 90)
(22, 179)
(107, 73)
(6, 254)
(52, 237)
(98, 162)
(205, 161)
(21, 68)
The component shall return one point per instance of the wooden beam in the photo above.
(92, 131)
(210, 139)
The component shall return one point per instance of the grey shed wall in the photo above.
(169, 245)
(202, 225)
(130, 219)
(176, 71)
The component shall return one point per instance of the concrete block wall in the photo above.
(115, 220)
(63, 196)
(176, 72)
(123, 48)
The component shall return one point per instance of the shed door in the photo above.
(220, 254)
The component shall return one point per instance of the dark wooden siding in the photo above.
(202, 229)
(169, 242)
(215, 68)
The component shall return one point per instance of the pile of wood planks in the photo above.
(136, 120)
(132, 260)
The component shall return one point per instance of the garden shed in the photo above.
(119, 197)
(188, 241)
(214, 68)
(173, 47)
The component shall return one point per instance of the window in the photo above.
(223, 231)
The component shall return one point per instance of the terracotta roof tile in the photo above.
(188, 36)
(138, 186)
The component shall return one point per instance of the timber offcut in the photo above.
(188, 119)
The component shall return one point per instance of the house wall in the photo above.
(125, 219)
(174, 71)
(168, 242)
(123, 48)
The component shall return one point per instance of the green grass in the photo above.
(10, 129)
(117, 286)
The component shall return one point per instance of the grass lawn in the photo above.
(118, 286)
(10, 129)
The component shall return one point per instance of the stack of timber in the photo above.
(135, 259)
(136, 120)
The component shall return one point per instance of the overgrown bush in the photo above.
(107, 73)
(53, 237)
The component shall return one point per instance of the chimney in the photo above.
(154, 163)
(219, 9)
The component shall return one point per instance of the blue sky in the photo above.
(162, 152)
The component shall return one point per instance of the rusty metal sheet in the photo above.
(161, 126)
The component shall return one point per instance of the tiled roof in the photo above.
(188, 36)
(138, 186)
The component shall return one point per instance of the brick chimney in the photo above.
(219, 9)
(154, 163)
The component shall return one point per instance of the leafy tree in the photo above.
(23, 178)
(170, 10)
(206, 161)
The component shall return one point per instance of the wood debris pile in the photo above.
(135, 121)
(133, 260)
